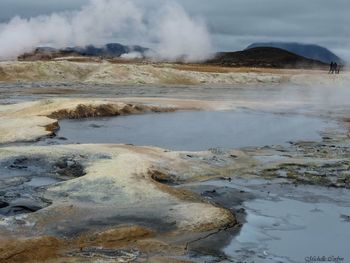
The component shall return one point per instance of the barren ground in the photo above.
(116, 202)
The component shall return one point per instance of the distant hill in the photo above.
(310, 51)
(111, 50)
(264, 57)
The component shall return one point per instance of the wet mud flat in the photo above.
(292, 206)
(88, 196)
(276, 208)
(14, 92)
(24, 179)
(87, 215)
(281, 221)
(24, 91)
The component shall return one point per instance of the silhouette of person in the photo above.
(334, 68)
(331, 68)
(339, 68)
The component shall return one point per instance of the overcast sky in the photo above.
(234, 24)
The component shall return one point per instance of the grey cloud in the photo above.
(321, 21)
(28, 8)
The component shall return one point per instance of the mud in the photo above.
(104, 203)
(283, 222)
(83, 207)
(24, 180)
(90, 111)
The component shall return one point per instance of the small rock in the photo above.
(70, 163)
(12, 195)
(20, 167)
(209, 193)
(20, 222)
(20, 160)
(95, 125)
(241, 210)
(3, 204)
(61, 164)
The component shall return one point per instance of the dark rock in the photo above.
(18, 166)
(19, 163)
(68, 167)
(95, 126)
(3, 204)
(61, 164)
(21, 209)
(210, 193)
(72, 169)
(20, 160)
(240, 210)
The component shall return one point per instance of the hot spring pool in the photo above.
(195, 130)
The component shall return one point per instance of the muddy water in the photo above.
(283, 223)
(24, 179)
(195, 131)
(290, 224)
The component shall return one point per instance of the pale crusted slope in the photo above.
(105, 72)
(31, 120)
(160, 74)
(117, 191)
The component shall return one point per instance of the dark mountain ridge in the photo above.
(111, 50)
(310, 51)
(266, 57)
(254, 57)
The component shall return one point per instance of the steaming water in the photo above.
(195, 130)
(291, 224)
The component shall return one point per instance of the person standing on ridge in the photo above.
(335, 67)
(339, 68)
(331, 68)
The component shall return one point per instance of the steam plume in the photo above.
(170, 32)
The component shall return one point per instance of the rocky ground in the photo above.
(105, 72)
(110, 203)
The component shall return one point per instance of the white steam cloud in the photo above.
(169, 31)
(180, 35)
